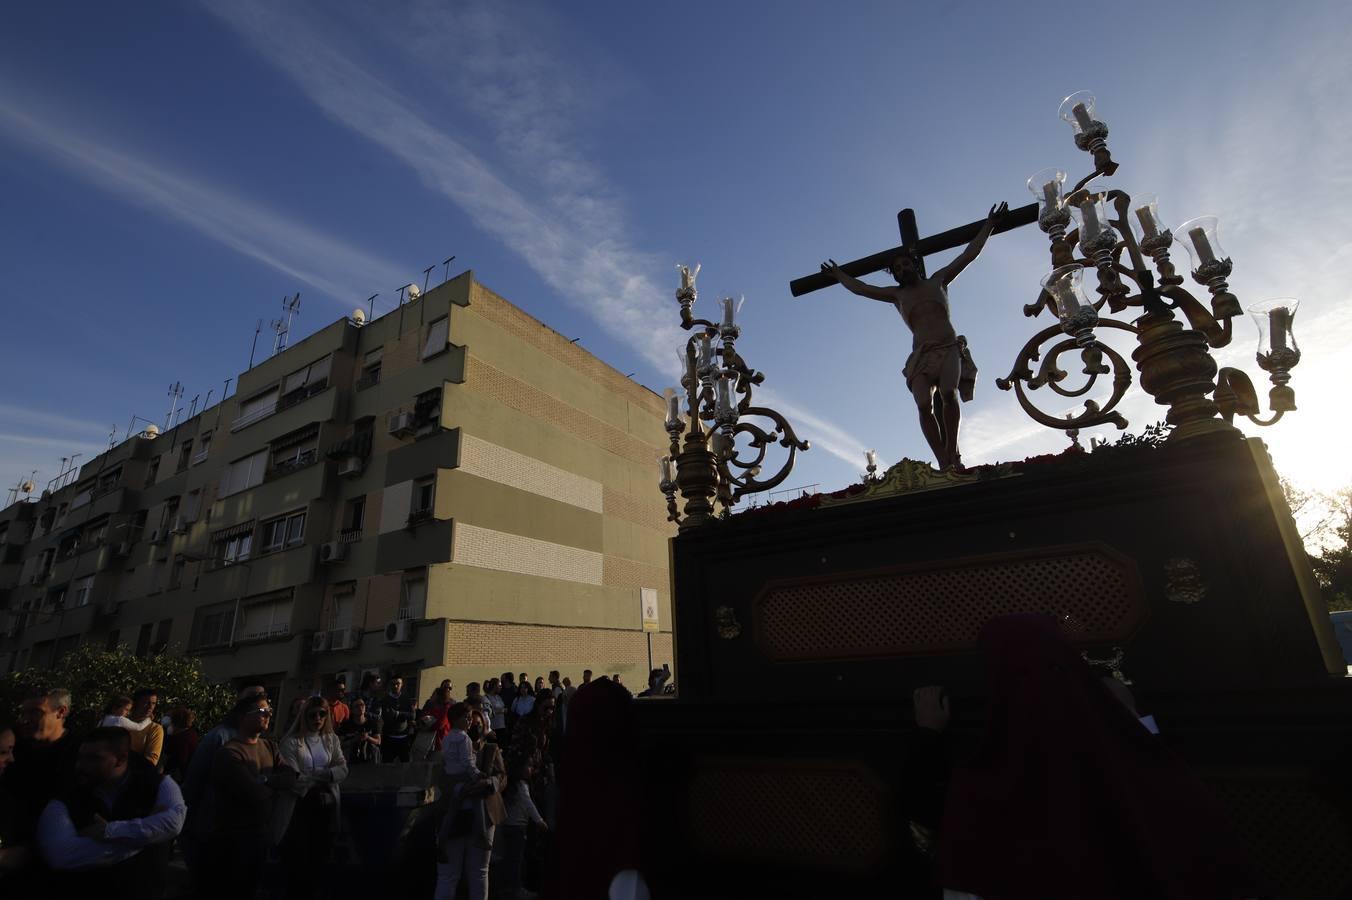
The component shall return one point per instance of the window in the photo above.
(232, 545)
(152, 470)
(184, 454)
(370, 368)
(344, 600)
(168, 516)
(296, 450)
(143, 639)
(256, 408)
(83, 494)
(243, 474)
(162, 636)
(192, 506)
(427, 409)
(203, 447)
(81, 592)
(437, 333)
(176, 572)
(314, 376)
(265, 618)
(283, 531)
(69, 546)
(215, 625)
(413, 595)
(424, 494)
(354, 515)
(55, 599)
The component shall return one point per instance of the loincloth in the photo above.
(930, 359)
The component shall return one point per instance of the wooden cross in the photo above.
(912, 241)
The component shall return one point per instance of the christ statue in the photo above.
(940, 367)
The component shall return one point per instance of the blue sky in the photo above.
(169, 171)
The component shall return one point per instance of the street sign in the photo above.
(648, 598)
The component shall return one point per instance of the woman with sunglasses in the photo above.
(308, 826)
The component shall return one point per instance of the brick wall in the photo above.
(479, 457)
(489, 647)
(531, 401)
(534, 332)
(488, 549)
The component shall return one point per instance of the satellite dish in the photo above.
(358, 317)
(151, 432)
(414, 292)
(27, 487)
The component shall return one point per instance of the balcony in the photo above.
(200, 456)
(419, 516)
(370, 379)
(301, 394)
(301, 461)
(349, 535)
(257, 415)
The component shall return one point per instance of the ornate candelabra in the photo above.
(716, 386)
(1175, 363)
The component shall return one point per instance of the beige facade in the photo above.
(452, 490)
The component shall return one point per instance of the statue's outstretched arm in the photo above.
(855, 286)
(973, 250)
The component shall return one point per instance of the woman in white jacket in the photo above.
(307, 819)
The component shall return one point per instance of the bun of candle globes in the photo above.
(1078, 110)
(1199, 236)
(1048, 186)
(1276, 320)
(1065, 285)
(1091, 217)
(1144, 218)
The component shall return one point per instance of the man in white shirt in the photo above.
(118, 820)
(497, 709)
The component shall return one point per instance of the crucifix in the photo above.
(939, 368)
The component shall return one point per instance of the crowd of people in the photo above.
(104, 811)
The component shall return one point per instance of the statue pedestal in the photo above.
(800, 633)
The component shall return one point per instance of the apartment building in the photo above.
(451, 490)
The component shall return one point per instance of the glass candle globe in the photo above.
(1065, 285)
(1078, 110)
(1276, 320)
(1048, 186)
(1144, 218)
(1199, 236)
(1091, 217)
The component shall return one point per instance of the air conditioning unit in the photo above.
(351, 466)
(401, 424)
(332, 552)
(344, 638)
(400, 631)
(122, 549)
(320, 641)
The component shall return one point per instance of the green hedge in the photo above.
(94, 676)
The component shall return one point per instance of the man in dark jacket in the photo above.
(110, 834)
(399, 718)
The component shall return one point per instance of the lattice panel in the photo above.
(941, 608)
(803, 813)
(1296, 839)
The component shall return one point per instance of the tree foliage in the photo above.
(94, 676)
(1333, 566)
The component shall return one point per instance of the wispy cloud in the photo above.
(572, 235)
(305, 254)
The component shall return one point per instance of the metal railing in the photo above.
(349, 535)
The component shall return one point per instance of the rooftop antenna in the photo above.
(427, 273)
(371, 304)
(206, 404)
(112, 437)
(447, 263)
(175, 393)
(290, 306)
(219, 406)
(254, 348)
(192, 410)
